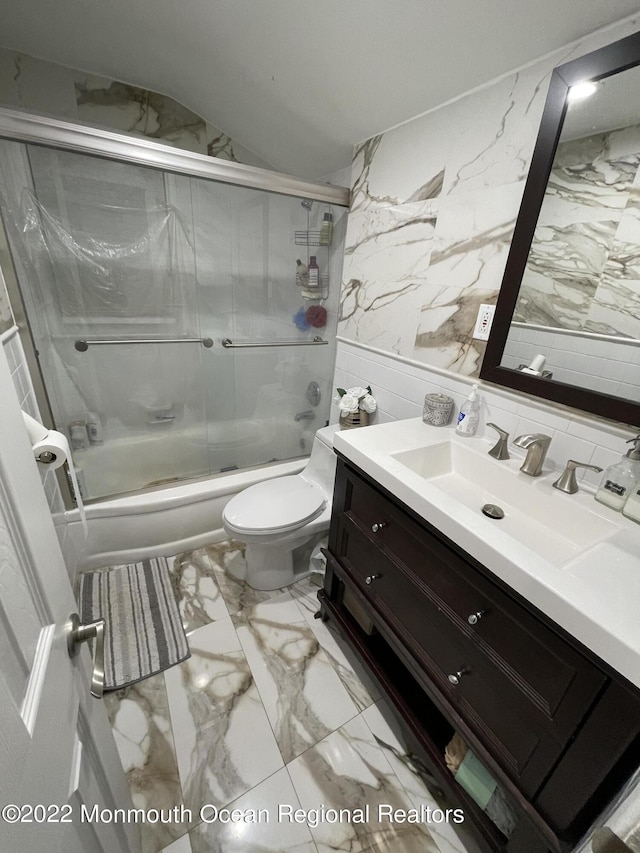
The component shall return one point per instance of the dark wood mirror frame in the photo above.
(609, 60)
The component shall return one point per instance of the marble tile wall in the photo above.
(581, 270)
(69, 94)
(433, 210)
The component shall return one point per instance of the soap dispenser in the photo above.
(469, 414)
(619, 479)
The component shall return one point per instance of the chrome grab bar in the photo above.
(227, 343)
(83, 345)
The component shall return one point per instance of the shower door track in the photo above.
(41, 130)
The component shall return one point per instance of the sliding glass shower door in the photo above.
(173, 335)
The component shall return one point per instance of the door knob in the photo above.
(78, 633)
(474, 618)
(371, 578)
(378, 526)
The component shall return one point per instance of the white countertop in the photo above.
(594, 596)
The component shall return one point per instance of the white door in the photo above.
(57, 754)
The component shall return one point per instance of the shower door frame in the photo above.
(33, 129)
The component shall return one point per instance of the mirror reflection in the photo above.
(577, 317)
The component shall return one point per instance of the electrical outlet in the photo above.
(483, 322)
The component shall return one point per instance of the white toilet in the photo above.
(277, 517)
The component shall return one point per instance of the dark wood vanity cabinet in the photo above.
(455, 650)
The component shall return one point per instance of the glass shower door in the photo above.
(271, 386)
(175, 334)
(107, 273)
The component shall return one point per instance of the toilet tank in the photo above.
(321, 467)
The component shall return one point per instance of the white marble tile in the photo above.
(223, 739)
(194, 580)
(227, 559)
(381, 313)
(302, 693)
(180, 845)
(263, 824)
(391, 242)
(348, 770)
(414, 778)
(141, 725)
(359, 687)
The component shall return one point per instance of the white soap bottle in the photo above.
(469, 414)
(94, 428)
(618, 480)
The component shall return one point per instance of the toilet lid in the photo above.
(280, 504)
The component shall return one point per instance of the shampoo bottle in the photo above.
(469, 414)
(619, 479)
(314, 274)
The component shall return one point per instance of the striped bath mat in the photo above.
(143, 630)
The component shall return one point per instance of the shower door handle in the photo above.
(82, 345)
(79, 633)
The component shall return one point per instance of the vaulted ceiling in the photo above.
(299, 82)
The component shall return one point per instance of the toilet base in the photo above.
(269, 567)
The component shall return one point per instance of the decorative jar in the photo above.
(350, 420)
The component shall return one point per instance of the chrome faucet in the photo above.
(536, 445)
(567, 482)
(499, 450)
(309, 415)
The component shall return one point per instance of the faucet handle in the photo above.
(499, 450)
(567, 482)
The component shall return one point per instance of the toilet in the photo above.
(276, 518)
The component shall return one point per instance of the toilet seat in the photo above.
(274, 507)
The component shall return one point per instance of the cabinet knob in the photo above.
(371, 578)
(474, 618)
(456, 677)
(378, 526)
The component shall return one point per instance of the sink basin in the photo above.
(557, 526)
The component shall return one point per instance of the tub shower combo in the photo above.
(173, 332)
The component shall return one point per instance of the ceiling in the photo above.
(299, 82)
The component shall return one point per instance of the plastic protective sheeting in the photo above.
(132, 277)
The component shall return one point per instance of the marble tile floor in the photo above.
(271, 714)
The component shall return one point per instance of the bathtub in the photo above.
(170, 518)
(168, 452)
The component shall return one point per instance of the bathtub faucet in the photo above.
(305, 416)
(158, 419)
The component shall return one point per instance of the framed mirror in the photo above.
(567, 321)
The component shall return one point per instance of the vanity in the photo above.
(519, 634)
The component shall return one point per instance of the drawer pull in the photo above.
(378, 526)
(474, 618)
(456, 677)
(371, 578)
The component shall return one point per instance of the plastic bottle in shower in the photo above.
(314, 274)
(94, 428)
(78, 433)
(302, 274)
(326, 230)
